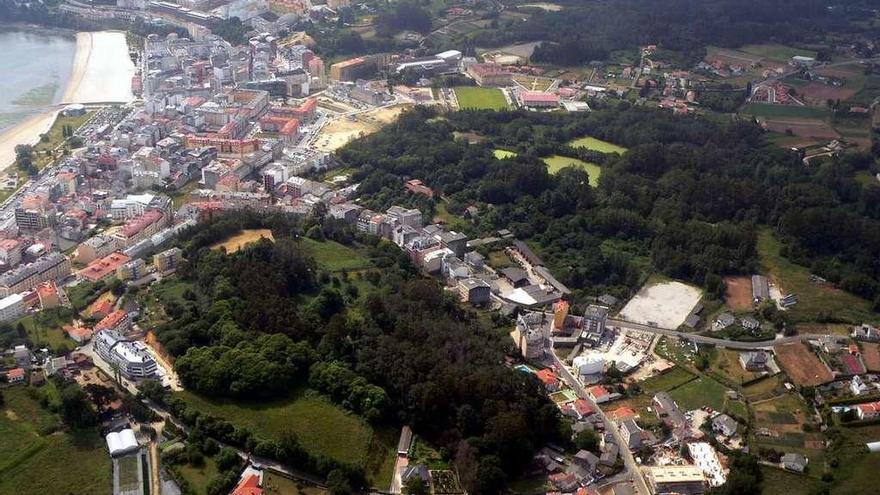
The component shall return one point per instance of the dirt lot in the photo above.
(801, 365)
(666, 304)
(236, 242)
(871, 356)
(738, 293)
(818, 93)
(343, 129)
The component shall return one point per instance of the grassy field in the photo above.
(41, 159)
(332, 256)
(34, 461)
(673, 378)
(777, 52)
(812, 298)
(243, 238)
(698, 393)
(322, 427)
(779, 481)
(556, 163)
(502, 154)
(594, 144)
(726, 364)
(129, 472)
(274, 484)
(480, 98)
(788, 111)
(46, 331)
(199, 477)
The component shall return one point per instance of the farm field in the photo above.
(738, 293)
(480, 98)
(698, 393)
(33, 461)
(594, 144)
(321, 426)
(777, 52)
(243, 238)
(556, 163)
(801, 365)
(502, 154)
(812, 298)
(333, 256)
(784, 111)
(780, 481)
(763, 389)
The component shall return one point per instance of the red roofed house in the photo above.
(251, 480)
(582, 407)
(851, 364)
(117, 320)
(870, 410)
(103, 268)
(549, 379)
(15, 375)
(538, 99)
(100, 308)
(599, 394)
(416, 186)
(79, 334)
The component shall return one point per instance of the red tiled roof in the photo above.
(248, 486)
(112, 320)
(538, 96)
(15, 373)
(597, 391)
(583, 407)
(547, 377)
(139, 223)
(101, 267)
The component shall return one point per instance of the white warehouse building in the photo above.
(121, 443)
(130, 357)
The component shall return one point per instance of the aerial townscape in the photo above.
(418, 247)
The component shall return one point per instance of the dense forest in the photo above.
(264, 320)
(593, 30)
(687, 198)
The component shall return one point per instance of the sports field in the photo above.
(556, 163)
(594, 144)
(243, 238)
(480, 98)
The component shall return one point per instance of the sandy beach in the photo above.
(102, 72)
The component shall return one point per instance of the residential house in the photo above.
(869, 410)
(667, 410)
(724, 425)
(794, 462)
(723, 321)
(858, 386)
(549, 379)
(23, 357)
(749, 323)
(866, 333)
(474, 291)
(754, 361)
(632, 434)
(15, 375)
(586, 460)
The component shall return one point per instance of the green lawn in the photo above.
(35, 461)
(780, 481)
(556, 163)
(502, 154)
(698, 393)
(777, 52)
(788, 111)
(199, 477)
(594, 144)
(812, 298)
(129, 472)
(322, 427)
(480, 98)
(274, 484)
(673, 378)
(334, 257)
(44, 329)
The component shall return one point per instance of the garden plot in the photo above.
(664, 304)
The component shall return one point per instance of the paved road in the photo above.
(628, 459)
(732, 344)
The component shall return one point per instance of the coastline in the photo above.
(96, 77)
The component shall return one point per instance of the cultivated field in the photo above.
(594, 144)
(809, 130)
(667, 304)
(244, 238)
(802, 365)
(36, 461)
(480, 98)
(556, 163)
(871, 356)
(773, 111)
(738, 293)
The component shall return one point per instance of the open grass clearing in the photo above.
(45, 331)
(781, 481)
(763, 389)
(675, 377)
(812, 298)
(480, 98)
(699, 393)
(242, 239)
(726, 363)
(556, 163)
(199, 477)
(788, 111)
(334, 257)
(321, 426)
(34, 461)
(594, 144)
(777, 52)
(502, 154)
(275, 484)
